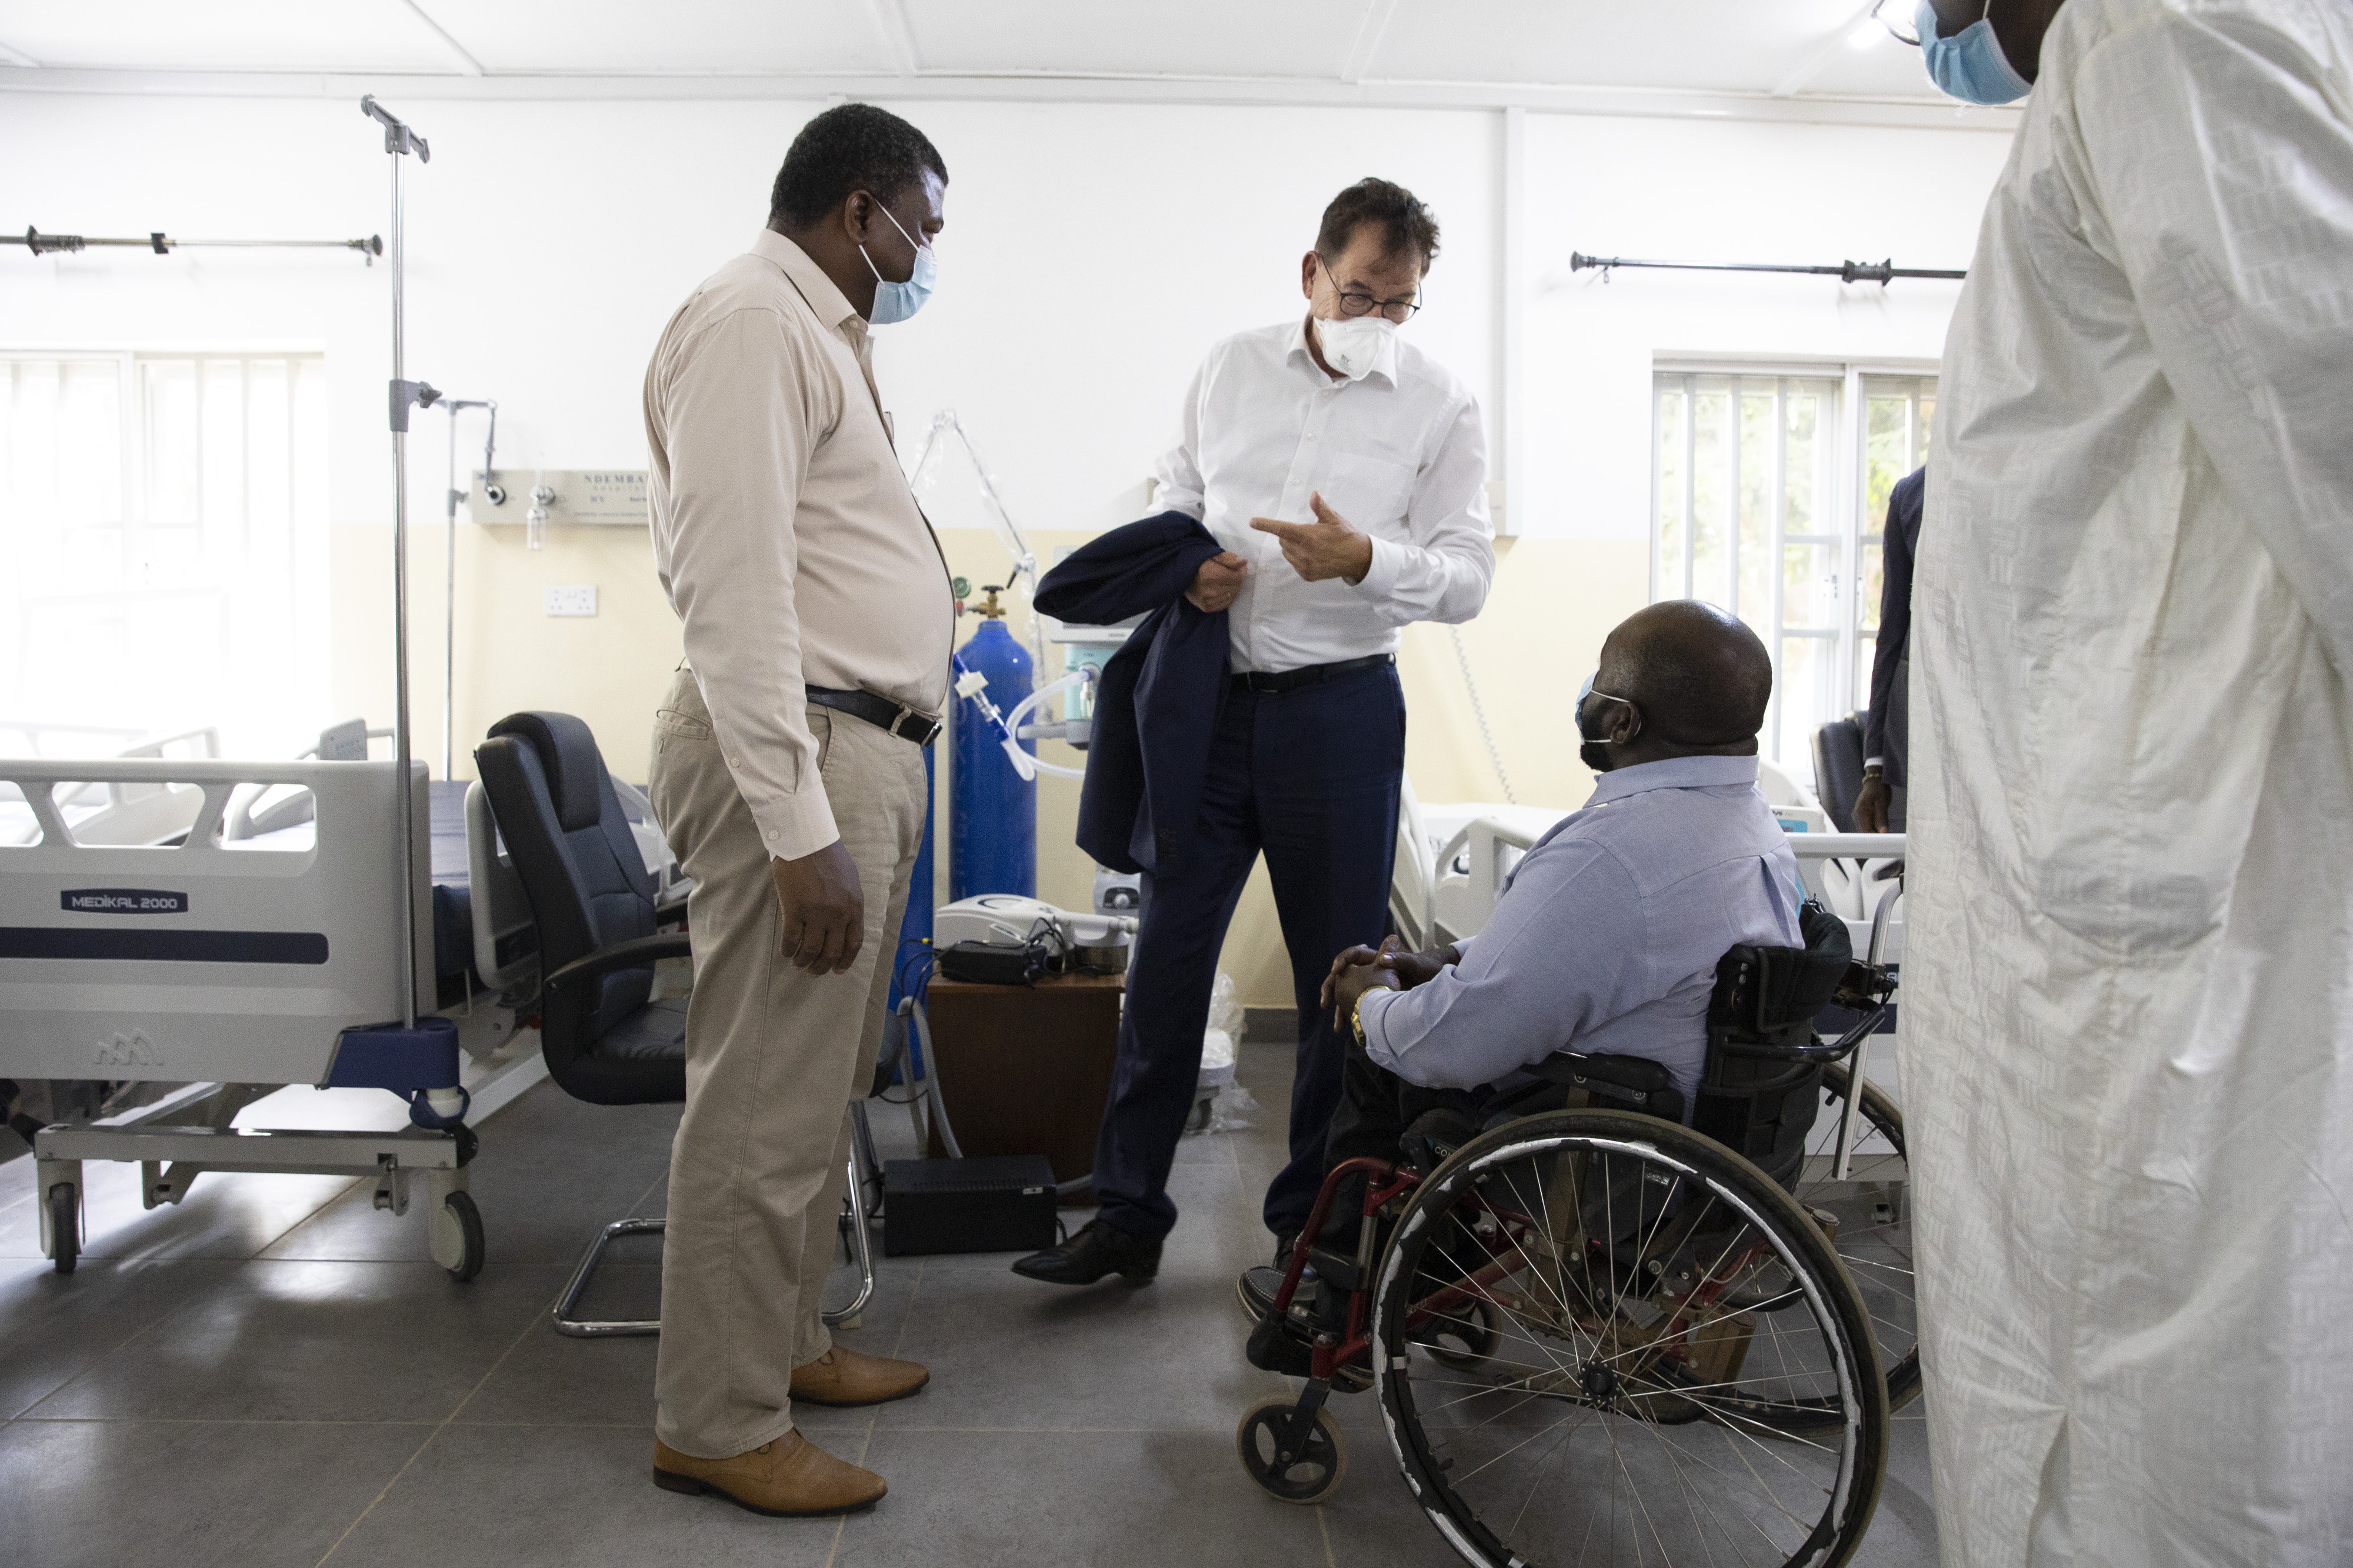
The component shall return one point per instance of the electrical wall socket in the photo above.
(571, 599)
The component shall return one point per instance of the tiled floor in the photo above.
(274, 1374)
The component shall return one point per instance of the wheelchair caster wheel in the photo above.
(1306, 1473)
(65, 1227)
(458, 1229)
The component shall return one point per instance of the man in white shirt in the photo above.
(1345, 472)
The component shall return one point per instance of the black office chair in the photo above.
(1837, 768)
(607, 1041)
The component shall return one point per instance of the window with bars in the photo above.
(1770, 491)
(164, 518)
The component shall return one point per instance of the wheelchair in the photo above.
(1600, 1335)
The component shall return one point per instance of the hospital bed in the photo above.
(239, 965)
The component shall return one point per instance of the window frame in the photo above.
(1850, 448)
(305, 563)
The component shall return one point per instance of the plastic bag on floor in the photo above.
(1229, 1110)
(1219, 1104)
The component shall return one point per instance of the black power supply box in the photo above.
(1003, 1202)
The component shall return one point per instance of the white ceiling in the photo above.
(1795, 50)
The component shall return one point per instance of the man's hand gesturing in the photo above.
(1328, 547)
(1217, 582)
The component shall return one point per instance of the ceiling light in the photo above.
(1866, 34)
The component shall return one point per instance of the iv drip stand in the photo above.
(398, 142)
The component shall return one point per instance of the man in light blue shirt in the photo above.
(1608, 933)
(1607, 936)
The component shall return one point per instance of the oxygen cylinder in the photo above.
(993, 819)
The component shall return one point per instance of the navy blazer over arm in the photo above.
(1158, 704)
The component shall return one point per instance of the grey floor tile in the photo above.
(315, 1342)
(54, 1327)
(502, 1497)
(224, 1214)
(551, 1170)
(1137, 1499)
(124, 1494)
(552, 1379)
(1007, 1351)
(1904, 1532)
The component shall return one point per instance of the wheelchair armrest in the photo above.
(639, 953)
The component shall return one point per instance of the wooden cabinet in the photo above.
(1026, 1069)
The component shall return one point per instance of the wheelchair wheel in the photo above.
(1308, 1474)
(1871, 1227)
(1681, 1370)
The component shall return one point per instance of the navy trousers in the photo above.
(1309, 777)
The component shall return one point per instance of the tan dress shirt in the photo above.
(782, 528)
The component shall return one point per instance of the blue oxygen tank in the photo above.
(993, 822)
(915, 930)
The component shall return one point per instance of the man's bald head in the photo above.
(1698, 676)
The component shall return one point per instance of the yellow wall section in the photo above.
(1554, 600)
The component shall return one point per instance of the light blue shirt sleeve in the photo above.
(1560, 954)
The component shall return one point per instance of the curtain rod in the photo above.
(162, 244)
(1878, 273)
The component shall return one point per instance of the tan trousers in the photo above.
(773, 1056)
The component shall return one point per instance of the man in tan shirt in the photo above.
(788, 776)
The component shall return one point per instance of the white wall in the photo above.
(1092, 253)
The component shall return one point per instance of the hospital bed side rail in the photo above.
(204, 959)
(1488, 848)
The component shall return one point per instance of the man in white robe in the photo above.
(2128, 1004)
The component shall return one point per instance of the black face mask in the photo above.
(1595, 753)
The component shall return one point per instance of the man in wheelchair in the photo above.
(1606, 938)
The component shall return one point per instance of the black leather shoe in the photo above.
(1100, 1247)
(1256, 1289)
(1275, 1347)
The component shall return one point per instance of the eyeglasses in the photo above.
(1895, 32)
(1354, 304)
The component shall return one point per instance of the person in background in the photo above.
(1344, 473)
(2127, 1044)
(1879, 803)
(788, 777)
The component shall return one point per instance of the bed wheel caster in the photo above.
(64, 1227)
(457, 1236)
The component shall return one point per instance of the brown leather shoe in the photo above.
(844, 1377)
(790, 1477)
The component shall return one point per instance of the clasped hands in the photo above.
(1328, 547)
(1389, 967)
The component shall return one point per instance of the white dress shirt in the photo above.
(1397, 451)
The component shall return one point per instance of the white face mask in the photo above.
(1353, 343)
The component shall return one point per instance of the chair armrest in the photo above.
(671, 912)
(638, 953)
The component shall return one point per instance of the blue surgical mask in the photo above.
(897, 302)
(1970, 65)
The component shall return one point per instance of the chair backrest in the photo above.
(586, 883)
(1757, 1097)
(1837, 768)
